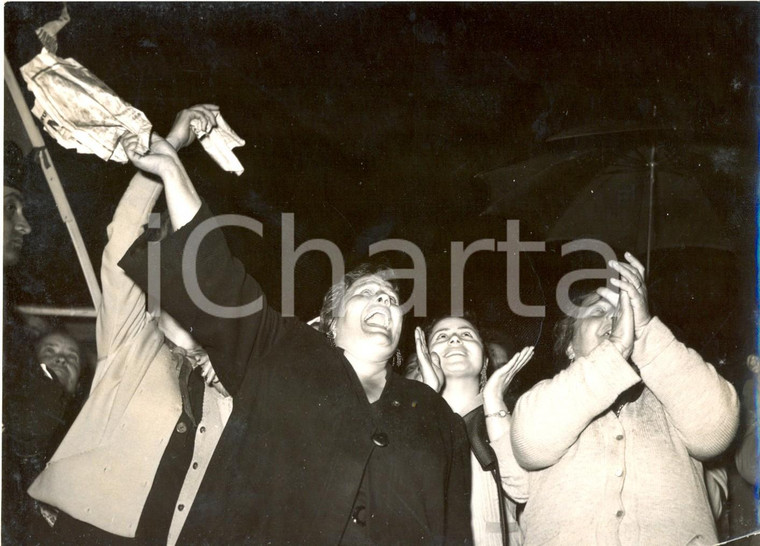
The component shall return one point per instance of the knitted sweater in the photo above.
(597, 478)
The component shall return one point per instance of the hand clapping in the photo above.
(500, 380)
(632, 303)
(430, 363)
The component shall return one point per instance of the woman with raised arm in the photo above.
(615, 442)
(325, 444)
(451, 354)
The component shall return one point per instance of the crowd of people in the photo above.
(209, 427)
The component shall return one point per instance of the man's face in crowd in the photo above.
(15, 226)
(62, 356)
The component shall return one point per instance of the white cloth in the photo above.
(219, 143)
(80, 111)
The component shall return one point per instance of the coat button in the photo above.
(380, 439)
(181, 507)
(619, 472)
(181, 427)
(357, 516)
(203, 429)
(195, 466)
(619, 437)
(620, 513)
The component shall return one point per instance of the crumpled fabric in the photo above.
(219, 143)
(80, 111)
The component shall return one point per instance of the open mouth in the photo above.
(378, 317)
(455, 352)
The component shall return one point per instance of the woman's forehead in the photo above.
(453, 324)
(372, 279)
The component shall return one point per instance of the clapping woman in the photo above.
(452, 355)
(615, 442)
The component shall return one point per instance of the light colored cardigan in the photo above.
(637, 479)
(103, 470)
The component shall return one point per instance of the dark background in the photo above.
(373, 121)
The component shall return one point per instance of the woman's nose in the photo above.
(454, 339)
(383, 298)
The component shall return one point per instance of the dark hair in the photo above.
(334, 296)
(470, 317)
(428, 325)
(499, 336)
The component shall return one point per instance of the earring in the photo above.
(398, 360)
(483, 375)
(571, 356)
(331, 337)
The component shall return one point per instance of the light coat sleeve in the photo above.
(514, 478)
(702, 406)
(550, 417)
(122, 313)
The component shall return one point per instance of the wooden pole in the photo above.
(51, 175)
(47, 311)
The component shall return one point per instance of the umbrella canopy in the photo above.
(637, 190)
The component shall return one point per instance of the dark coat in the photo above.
(302, 434)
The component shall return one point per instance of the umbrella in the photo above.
(636, 188)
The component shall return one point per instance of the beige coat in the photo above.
(104, 468)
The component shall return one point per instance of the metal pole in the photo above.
(51, 175)
(650, 228)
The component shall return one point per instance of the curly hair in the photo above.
(564, 329)
(333, 299)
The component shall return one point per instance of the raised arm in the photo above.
(514, 478)
(549, 417)
(122, 309)
(214, 299)
(182, 200)
(702, 406)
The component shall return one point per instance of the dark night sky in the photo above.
(371, 121)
